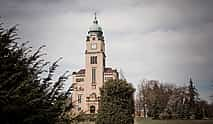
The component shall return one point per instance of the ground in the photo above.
(141, 121)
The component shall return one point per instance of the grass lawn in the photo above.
(141, 121)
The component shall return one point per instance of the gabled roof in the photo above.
(109, 70)
(106, 70)
(81, 71)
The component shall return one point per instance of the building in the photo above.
(87, 82)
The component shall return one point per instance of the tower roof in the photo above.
(95, 27)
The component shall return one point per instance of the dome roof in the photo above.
(95, 26)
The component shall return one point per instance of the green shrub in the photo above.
(116, 104)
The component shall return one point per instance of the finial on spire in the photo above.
(95, 15)
(95, 19)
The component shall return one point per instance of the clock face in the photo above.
(94, 46)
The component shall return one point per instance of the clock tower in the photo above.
(95, 57)
(87, 82)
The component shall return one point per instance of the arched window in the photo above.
(92, 109)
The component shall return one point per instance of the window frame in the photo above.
(93, 60)
(93, 75)
(80, 98)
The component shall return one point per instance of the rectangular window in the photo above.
(79, 79)
(93, 59)
(93, 75)
(79, 98)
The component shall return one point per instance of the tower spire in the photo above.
(95, 15)
(95, 21)
(95, 27)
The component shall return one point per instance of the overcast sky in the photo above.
(166, 40)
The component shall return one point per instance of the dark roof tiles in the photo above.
(106, 70)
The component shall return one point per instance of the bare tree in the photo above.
(152, 97)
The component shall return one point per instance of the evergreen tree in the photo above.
(193, 100)
(26, 96)
(116, 104)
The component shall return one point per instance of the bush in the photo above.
(116, 105)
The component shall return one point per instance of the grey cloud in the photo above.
(164, 39)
